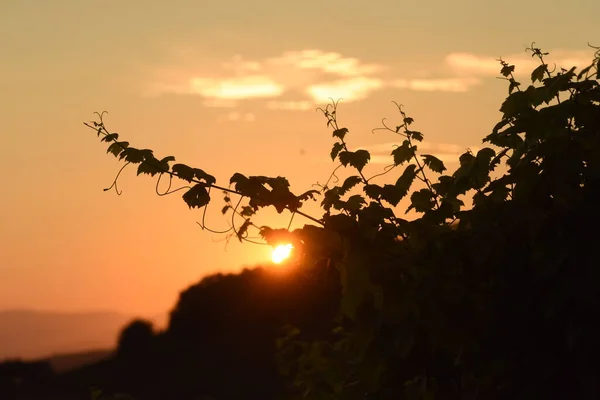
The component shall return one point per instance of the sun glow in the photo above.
(281, 253)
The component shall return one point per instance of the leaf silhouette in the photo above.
(434, 163)
(538, 73)
(150, 166)
(340, 133)
(507, 70)
(405, 181)
(117, 148)
(403, 153)
(350, 182)
(184, 172)
(358, 159)
(422, 201)
(335, 150)
(197, 196)
(110, 137)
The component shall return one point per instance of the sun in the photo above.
(281, 253)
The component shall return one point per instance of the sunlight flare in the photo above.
(281, 253)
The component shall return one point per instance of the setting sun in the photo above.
(281, 252)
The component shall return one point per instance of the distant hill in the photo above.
(30, 335)
(66, 362)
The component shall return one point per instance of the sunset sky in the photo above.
(226, 87)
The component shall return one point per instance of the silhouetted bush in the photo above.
(135, 340)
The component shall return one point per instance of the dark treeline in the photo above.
(220, 343)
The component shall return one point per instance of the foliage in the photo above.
(496, 301)
(135, 339)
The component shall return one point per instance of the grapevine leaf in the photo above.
(310, 194)
(392, 194)
(197, 196)
(405, 181)
(418, 136)
(538, 73)
(117, 148)
(335, 150)
(135, 156)
(444, 185)
(485, 154)
(403, 153)
(150, 166)
(110, 137)
(513, 85)
(434, 163)
(203, 176)
(340, 133)
(422, 201)
(354, 203)
(345, 157)
(164, 163)
(188, 173)
(515, 104)
(331, 198)
(373, 191)
(350, 182)
(359, 159)
(184, 172)
(507, 70)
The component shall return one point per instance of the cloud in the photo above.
(440, 85)
(469, 63)
(352, 89)
(316, 75)
(329, 62)
(236, 88)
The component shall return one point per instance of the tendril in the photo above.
(114, 184)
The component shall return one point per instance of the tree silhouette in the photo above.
(135, 339)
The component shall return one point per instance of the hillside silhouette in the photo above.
(220, 342)
(28, 334)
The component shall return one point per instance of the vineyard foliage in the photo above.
(495, 301)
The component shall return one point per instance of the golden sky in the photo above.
(227, 87)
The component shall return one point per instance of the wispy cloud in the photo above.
(348, 89)
(314, 74)
(330, 62)
(242, 87)
(437, 85)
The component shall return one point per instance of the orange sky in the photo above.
(227, 87)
